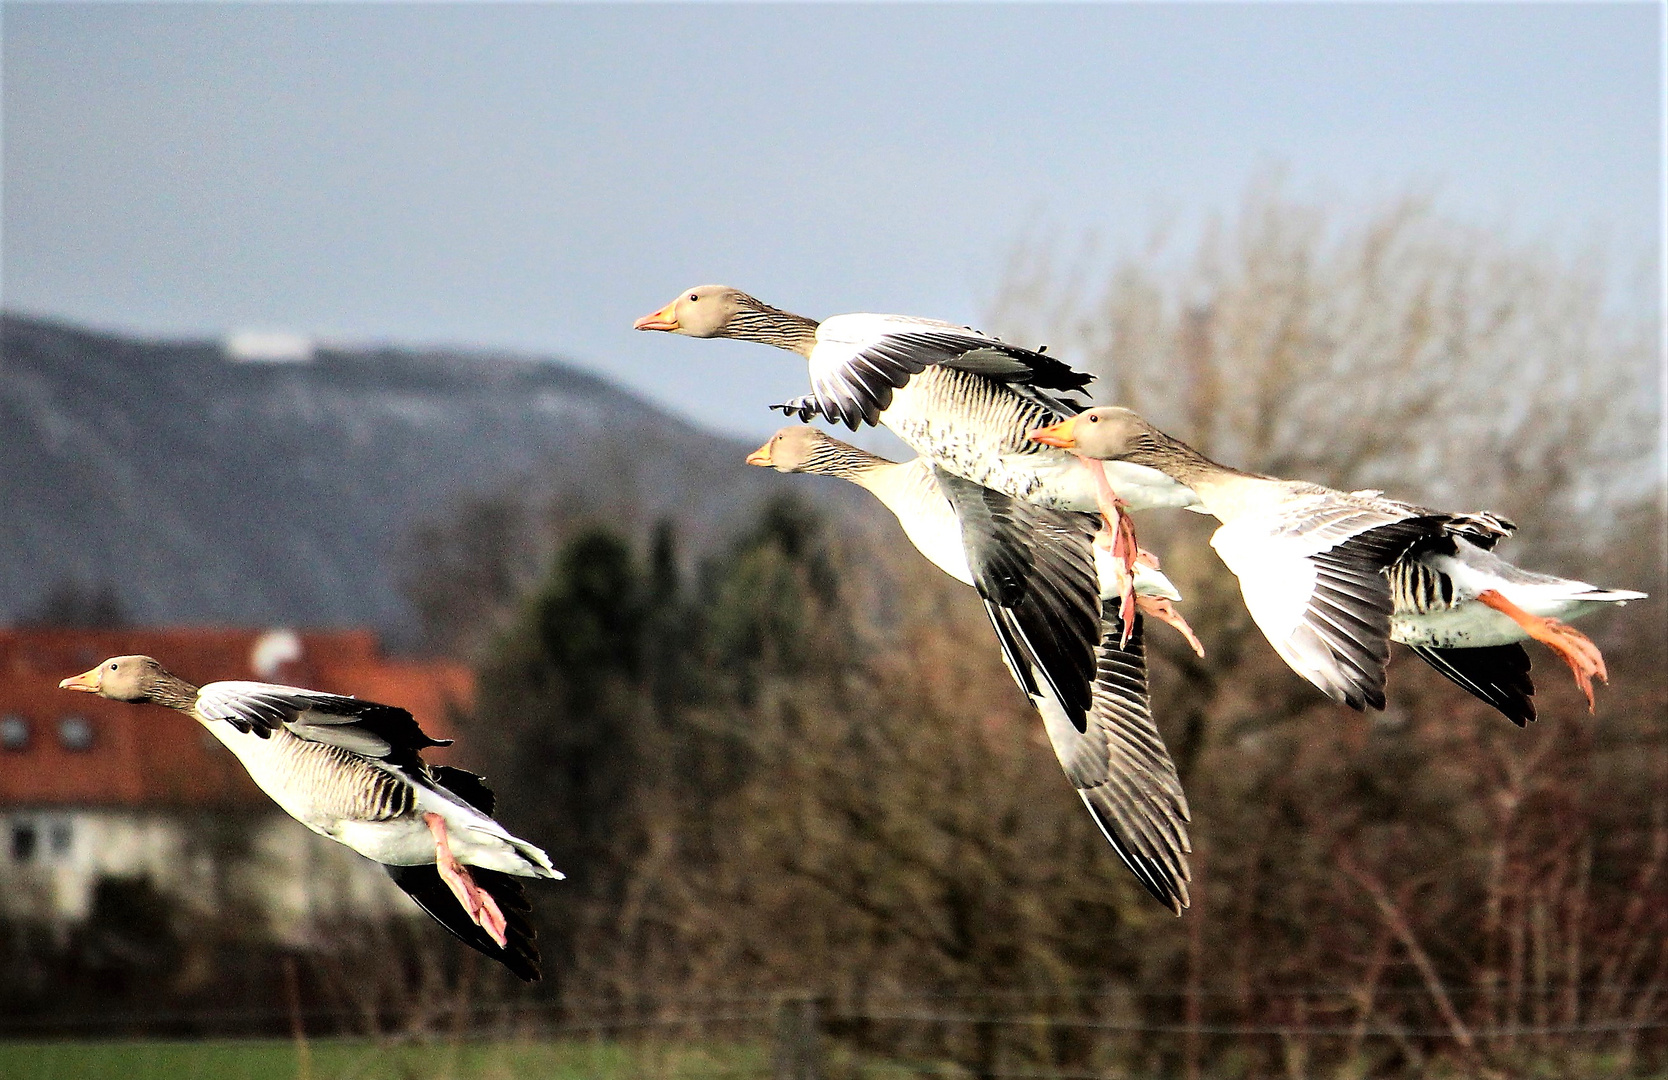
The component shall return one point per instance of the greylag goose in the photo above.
(1026, 561)
(1331, 577)
(960, 398)
(1310, 560)
(352, 770)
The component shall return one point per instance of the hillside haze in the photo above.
(206, 489)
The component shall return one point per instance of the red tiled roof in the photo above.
(147, 756)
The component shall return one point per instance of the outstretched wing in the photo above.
(1035, 570)
(1313, 579)
(1120, 767)
(860, 359)
(372, 730)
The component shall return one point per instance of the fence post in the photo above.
(797, 1051)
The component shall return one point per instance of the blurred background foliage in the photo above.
(795, 765)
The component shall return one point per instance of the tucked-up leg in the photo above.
(1118, 536)
(480, 905)
(1576, 648)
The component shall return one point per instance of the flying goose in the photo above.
(1026, 561)
(1331, 577)
(1310, 560)
(352, 770)
(960, 398)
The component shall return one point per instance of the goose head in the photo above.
(122, 678)
(802, 449)
(1108, 433)
(790, 449)
(704, 311)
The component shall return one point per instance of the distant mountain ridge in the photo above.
(205, 489)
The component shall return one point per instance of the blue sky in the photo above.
(536, 176)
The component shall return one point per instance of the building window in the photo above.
(14, 732)
(60, 837)
(76, 733)
(23, 841)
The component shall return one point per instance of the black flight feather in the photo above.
(465, 785)
(1035, 569)
(1496, 674)
(425, 886)
(861, 389)
(1349, 610)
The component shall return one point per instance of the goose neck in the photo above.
(834, 458)
(171, 691)
(772, 326)
(1177, 460)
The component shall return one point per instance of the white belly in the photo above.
(1473, 624)
(1470, 625)
(270, 764)
(398, 842)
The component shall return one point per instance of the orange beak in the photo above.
(761, 456)
(1062, 434)
(664, 319)
(86, 682)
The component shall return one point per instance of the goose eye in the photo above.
(1094, 419)
(112, 667)
(694, 296)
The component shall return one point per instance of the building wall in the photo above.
(52, 859)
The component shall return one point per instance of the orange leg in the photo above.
(1124, 547)
(483, 909)
(1118, 535)
(1576, 648)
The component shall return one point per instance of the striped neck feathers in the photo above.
(831, 457)
(758, 321)
(167, 689)
(1174, 458)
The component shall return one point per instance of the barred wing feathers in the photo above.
(860, 359)
(1121, 769)
(381, 732)
(1035, 570)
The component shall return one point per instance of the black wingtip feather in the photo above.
(465, 785)
(1498, 675)
(1034, 568)
(1351, 605)
(1121, 684)
(521, 954)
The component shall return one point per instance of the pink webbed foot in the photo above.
(482, 908)
(1113, 540)
(1161, 609)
